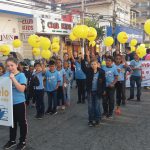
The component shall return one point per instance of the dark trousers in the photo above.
(120, 92)
(108, 101)
(52, 101)
(94, 110)
(81, 89)
(60, 96)
(39, 98)
(19, 114)
(133, 80)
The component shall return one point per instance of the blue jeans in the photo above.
(52, 101)
(67, 93)
(133, 80)
(94, 108)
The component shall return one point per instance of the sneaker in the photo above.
(110, 116)
(39, 117)
(9, 144)
(33, 105)
(21, 146)
(54, 113)
(130, 98)
(78, 102)
(90, 124)
(97, 123)
(48, 112)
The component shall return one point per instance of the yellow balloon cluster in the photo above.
(122, 37)
(141, 51)
(147, 27)
(16, 43)
(45, 43)
(133, 48)
(36, 51)
(5, 50)
(72, 37)
(92, 43)
(34, 41)
(133, 42)
(80, 31)
(46, 54)
(56, 40)
(92, 34)
(108, 41)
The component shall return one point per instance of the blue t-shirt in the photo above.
(52, 78)
(18, 97)
(94, 82)
(121, 74)
(136, 64)
(61, 73)
(68, 74)
(79, 74)
(110, 73)
(39, 75)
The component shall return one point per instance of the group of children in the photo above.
(97, 83)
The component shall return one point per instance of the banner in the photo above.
(6, 102)
(145, 74)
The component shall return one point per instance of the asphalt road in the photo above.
(69, 130)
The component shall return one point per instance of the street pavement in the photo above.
(69, 130)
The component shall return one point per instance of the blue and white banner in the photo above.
(6, 102)
(145, 74)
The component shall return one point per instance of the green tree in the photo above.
(93, 23)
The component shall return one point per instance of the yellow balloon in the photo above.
(147, 27)
(16, 43)
(108, 41)
(133, 42)
(55, 47)
(56, 40)
(36, 51)
(122, 37)
(92, 34)
(142, 45)
(34, 41)
(5, 49)
(92, 43)
(46, 54)
(141, 51)
(133, 48)
(72, 37)
(80, 31)
(45, 43)
(103, 63)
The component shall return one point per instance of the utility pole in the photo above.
(114, 20)
(82, 21)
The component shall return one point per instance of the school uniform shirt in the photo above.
(52, 78)
(68, 74)
(121, 74)
(110, 73)
(40, 76)
(18, 97)
(136, 64)
(94, 82)
(79, 74)
(61, 73)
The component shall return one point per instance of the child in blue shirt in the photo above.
(60, 91)
(120, 85)
(81, 80)
(67, 85)
(136, 77)
(111, 74)
(39, 91)
(19, 108)
(52, 83)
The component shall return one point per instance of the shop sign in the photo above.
(26, 25)
(7, 37)
(48, 26)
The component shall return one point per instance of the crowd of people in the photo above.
(96, 81)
